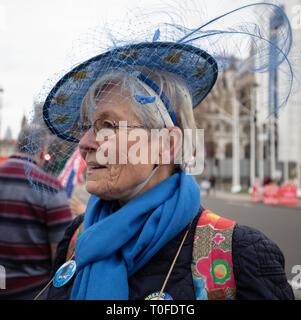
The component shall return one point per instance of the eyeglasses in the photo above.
(105, 124)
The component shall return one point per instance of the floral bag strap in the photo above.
(212, 268)
(72, 243)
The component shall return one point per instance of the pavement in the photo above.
(244, 197)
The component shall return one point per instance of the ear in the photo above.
(171, 146)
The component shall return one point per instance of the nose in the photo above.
(88, 143)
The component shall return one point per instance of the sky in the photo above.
(37, 38)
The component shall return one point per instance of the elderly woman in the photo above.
(144, 234)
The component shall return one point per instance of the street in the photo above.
(280, 224)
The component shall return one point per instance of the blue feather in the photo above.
(156, 35)
(144, 99)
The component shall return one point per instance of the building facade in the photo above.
(215, 116)
(279, 136)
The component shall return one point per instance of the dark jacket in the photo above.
(258, 266)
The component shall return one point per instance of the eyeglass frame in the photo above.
(114, 126)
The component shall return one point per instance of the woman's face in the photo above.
(112, 180)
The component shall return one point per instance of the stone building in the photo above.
(283, 152)
(288, 156)
(215, 116)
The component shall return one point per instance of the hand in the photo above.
(76, 206)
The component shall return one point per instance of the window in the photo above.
(228, 150)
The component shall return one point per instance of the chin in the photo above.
(94, 188)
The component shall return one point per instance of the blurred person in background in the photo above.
(212, 181)
(31, 223)
(205, 186)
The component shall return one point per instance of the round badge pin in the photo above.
(64, 273)
(155, 295)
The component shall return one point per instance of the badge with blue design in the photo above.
(64, 273)
(155, 296)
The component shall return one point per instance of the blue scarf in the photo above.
(114, 245)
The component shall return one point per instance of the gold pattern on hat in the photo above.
(173, 56)
(200, 91)
(201, 70)
(129, 54)
(79, 75)
(61, 99)
(60, 118)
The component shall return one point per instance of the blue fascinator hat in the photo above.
(193, 65)
(195, 55)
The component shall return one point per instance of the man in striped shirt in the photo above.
(32, 221)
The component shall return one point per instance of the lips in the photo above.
(95, 166)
